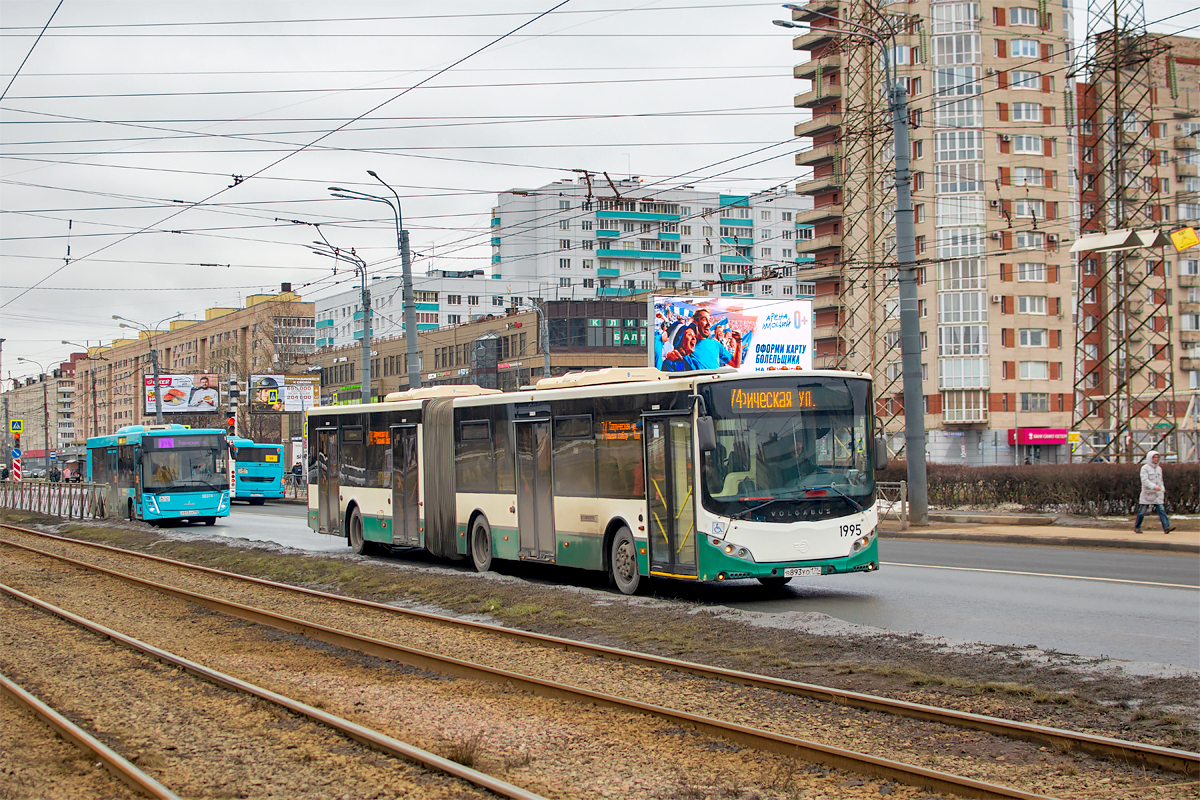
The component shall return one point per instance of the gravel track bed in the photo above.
(944, 748)
(197, 739)
(36, 762)
(555, 748)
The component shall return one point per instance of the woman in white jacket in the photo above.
(1153, 493)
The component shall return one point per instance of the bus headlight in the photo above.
(862, 541)
(223, 501)
(737, 551)
(151, 503)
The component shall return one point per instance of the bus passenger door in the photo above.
(329, 517)
(406, 515)
(669, 494)
(535, 489)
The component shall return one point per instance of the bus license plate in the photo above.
(800, 572)
(188, 513)
(257, 494)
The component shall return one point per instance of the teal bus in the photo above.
(159, 473)
(709, 476)
(256, 471)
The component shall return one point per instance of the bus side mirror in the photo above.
(881, 457)
(706, 431)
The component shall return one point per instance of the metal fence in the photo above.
(893, 502)
(68, 500)
(295, 489)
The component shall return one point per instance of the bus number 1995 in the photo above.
(852, 530)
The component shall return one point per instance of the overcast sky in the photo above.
(127, 123)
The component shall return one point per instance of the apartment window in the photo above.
(960, 210)
(1035, 401)
(497, 300)
(1027, 112)
(1022, 16)
(564, 224)
(918, 149)
(587, 263)
(766, 214)
(589, 283)
(585, 225)
(806, 234)
(960, 275)
(786, 253)
(963, 373)
(564, 263)
(957, 242)
(627, 227)
(473, 300)
(962, 340)
(962, 307)
(587, 244)
(708, 268)
(962, 48)
(564, 282)
(786, 216)
(1189, 266)
(454, 319)
(564, 204)
(787, 290)
(1035, 370)
(454, 299)
(766, 289)
(1024, 79)
(1031, 240)
(1027, 144)
(564, 244)
(1030, 207)
(1031, 272)
(1031, 304)
(955, 17)
(706, 230)
(1028, 176)
(1023, 48)
(959, 146)
(959, 178)
(765, 252)
(1032, 337)
(959, 114)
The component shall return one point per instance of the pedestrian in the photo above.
(1153, 493)
(4, 472)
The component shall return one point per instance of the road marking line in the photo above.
(1043, 575)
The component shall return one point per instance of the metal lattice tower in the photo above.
(1124, 389)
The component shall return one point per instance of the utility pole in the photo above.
(45, 411)
(152, 334)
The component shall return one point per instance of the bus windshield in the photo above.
(790, 442)
(256, 455)
(184, 463)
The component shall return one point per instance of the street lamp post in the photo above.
(95, 409)
(906, 253)
(360, 266)
(410, 308)
(151, 332)
(45, 411)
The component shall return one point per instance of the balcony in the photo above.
(825, 332)
(1186, 170)
(815, 37)
(819, 243)
(816, 185)
(1185, 142)
(819, 155)
(1188, 308)
(825, 122)
(811, 10)
(1187, 281)
(830, 62)
(1189, 337)
(816, 96)
(815, 215)
(826, 301)
(1189, 364)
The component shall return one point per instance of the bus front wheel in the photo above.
(258, 501)
(623, 562)
(481, 545)
(210, 520)
(358, 539)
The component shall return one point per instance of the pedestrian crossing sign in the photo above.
(15, 425)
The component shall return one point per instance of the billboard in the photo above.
(695, 333)
(184, 394)
(279, 393)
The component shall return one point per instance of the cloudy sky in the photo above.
(156, 155)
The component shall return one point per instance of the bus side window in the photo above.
(502, 437)
(473, 467)
(574, 456)
(352, 470)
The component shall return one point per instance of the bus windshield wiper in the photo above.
(839, 493)
(766, 501)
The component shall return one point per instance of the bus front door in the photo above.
(669, 494)
(329, 516)
(535, 487)
(406, 514)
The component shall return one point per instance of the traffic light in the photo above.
(232, 425)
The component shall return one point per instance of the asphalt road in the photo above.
(1130, 605)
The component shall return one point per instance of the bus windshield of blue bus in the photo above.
(790, 441)
(256, 455)
(181, 463)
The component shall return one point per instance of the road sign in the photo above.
(16, 453)
(16, 468)
(15, 425)
(53, 456)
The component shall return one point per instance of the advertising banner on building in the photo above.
(280, 393)
(184, 394)
(695, 333)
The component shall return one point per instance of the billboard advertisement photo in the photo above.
(282, 393)
(698, 333)
(184, 394)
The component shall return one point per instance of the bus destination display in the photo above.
(781, 400)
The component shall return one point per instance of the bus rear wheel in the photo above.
(623, 562)
(481, 545)
(358, 539)
(774, 583)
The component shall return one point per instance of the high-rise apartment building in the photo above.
(1138, 346)
(994, 198)
(587, 239)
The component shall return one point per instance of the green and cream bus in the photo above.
(707, 476)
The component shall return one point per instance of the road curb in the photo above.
(1052, 541)
(993, 519)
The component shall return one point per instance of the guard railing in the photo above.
(893, 501)
(68, 500)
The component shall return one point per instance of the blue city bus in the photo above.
(162, 472)
(256, 471)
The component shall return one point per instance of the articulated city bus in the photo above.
(162, 472)
(255, 471)
(707, 476)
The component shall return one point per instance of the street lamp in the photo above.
(150, 332)
(324, 248)
(95, 405)
(45, 410)
(410, 309)
(906, 253)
